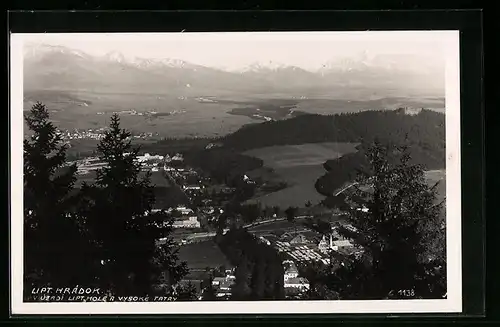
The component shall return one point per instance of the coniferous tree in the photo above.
(290, 213)
(209, 293)
(186, 292)
(53, 244)
(258, 279)
(395, 215)
(118, 210)
(240, 291)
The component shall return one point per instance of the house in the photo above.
(298, 283)
(299, 239)
(285, 237)
(291, 270)
(182, 210)
(223, 285)
(340, 244)
(248, 180)
(177, 157)
(191, 187)
(186, 222)
(264, 240)
(325, 245)
(148, 157)
(363, 209)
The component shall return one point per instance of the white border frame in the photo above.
(452, 304)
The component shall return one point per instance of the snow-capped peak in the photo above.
(147, 63)
(37, 50)
(263, 66)
(115, 56)
(174, 62)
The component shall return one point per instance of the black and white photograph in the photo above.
(238, 172)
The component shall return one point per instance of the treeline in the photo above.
(400, 237)
(259, 271)
(224, 165)
(346, 168)
(179, 145)
(102, 235)
(425, 129)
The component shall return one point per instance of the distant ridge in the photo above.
(58, 67)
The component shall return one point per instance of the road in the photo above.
(197, 236)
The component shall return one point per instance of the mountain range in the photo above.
(58, 67)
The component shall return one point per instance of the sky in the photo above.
(308, 50)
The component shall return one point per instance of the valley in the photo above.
(179, 116)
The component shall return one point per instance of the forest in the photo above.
(425, 130)
(259, 273)
(423, 133)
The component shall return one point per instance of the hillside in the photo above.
(423, 131)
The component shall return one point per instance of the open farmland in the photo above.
(299, 166)
(183, 115)
(175, 116)
(329, 106)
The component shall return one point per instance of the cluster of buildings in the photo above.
(148, 163)
(184, 217)
(132, 112)
(77, 134)
(303, 247)
(96, 134)
(292, 282)
(222, 285)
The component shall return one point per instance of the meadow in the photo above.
(201, 255)
(299, 166)
(189, 118)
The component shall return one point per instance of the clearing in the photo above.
(201, 255)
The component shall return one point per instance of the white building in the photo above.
(299, 283)
(182, 210)
(178, 157)
(264, 240)
(342, 244)
(325, 245)
(291, 270)
(148, 157)
(191, 187)
(223, 285)
(189, 222)
(186, 222)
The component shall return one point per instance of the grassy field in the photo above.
(299, 166)
(192, 118)
(200, 255)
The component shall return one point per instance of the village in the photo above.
(194, 229)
